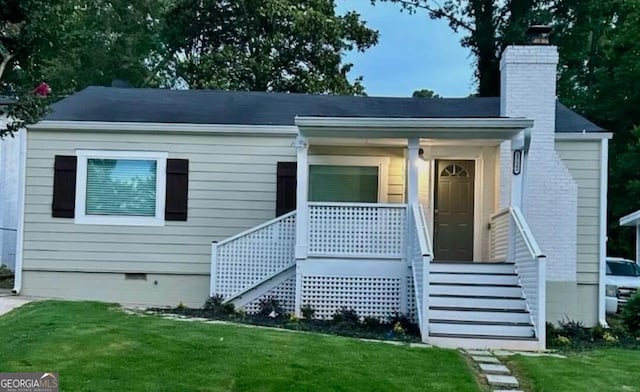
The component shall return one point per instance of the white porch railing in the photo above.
(521, 248)
(250, 257)
(499, 235)
(357, 229)
(420, 261)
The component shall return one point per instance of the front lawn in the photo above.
(596, 370)
(96, 347)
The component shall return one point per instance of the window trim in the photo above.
(81, 216)
(382, 163)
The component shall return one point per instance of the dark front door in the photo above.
(453, 210)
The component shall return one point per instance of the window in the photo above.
(356, 184)
(120, 188)
(348, 179)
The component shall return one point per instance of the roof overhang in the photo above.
(433, 128)
(632, 219)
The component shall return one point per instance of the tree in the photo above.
(425, 93)
(274, 45)
(488, 27)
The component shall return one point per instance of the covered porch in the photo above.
(378, 201)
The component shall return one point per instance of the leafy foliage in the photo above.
(215, 307)
(270, 307)
(308, 312)
(630, 314)
(275, 45)
(425, 93)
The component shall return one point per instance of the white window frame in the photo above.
(81, 216)
(382, 163)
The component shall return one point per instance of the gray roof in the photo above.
(110, 104)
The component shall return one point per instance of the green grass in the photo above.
(598, 370)
(96, 347)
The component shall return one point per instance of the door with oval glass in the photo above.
(453, 210)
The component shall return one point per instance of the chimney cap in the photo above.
(539, 34)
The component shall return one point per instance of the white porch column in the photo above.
(412, 170)
(302, 199)
(302, 216)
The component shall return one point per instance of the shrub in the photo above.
(630, 314)
(574, 330)
(346, 316)
(308, 312)
(270, 307)
(405, 322)
(371, 322)
(216, 308)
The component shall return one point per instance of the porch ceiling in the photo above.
(430, 128)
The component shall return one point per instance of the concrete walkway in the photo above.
(7, 304)
(497, 375)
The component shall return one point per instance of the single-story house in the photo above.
(9, 180)
(482, 218)
(633, 219)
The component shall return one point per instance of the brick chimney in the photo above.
(528, 89)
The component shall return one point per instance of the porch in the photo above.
(477, 282)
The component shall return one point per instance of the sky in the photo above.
(413, 52)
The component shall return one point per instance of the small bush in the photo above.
(215, 307)
(574, 330)
(346, 316)
(308, 312)
(372, 323)
(630, 314)
(270, 307)
(405, 322)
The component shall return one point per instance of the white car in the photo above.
(623, 280)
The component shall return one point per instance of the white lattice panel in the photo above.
(368, 296)
(285, 293)
(251, 257)
(357, 230)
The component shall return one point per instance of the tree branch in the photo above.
(437, 12)
(5, 60)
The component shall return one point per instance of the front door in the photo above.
(453, 210)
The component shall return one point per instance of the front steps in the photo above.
(478, 305)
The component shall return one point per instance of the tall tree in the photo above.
(488, 26)
(425, 93)
(273, 45)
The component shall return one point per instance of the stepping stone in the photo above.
(479, 352)
(482, 359)
(494, 369)
(507, 390)
(502, 381)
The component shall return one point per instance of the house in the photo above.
(633, 219)
(9, 180)
(482, 218)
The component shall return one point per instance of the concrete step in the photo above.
(485, 302)
(475, 278)
(479, 267)
(494, 368)
(471, 289)
(484, 342)
(479, 314)
(495, 329)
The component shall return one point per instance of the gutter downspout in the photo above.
(17, 287)
(604, 161)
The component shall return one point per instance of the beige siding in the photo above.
(232, 187)
(582, 158)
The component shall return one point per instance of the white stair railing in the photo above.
(245, 260)
(530, 266)
(420, 261)
(512, 240)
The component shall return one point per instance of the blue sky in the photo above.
(414, 52)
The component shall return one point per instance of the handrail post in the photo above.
(214, 268)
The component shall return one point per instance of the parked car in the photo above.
(623, 280)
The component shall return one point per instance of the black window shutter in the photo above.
(286, 187)
(177, 194)
(64, 186)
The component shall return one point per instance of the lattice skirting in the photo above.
(369, 296)
(285, 293)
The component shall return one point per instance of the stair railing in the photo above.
(420, 261)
